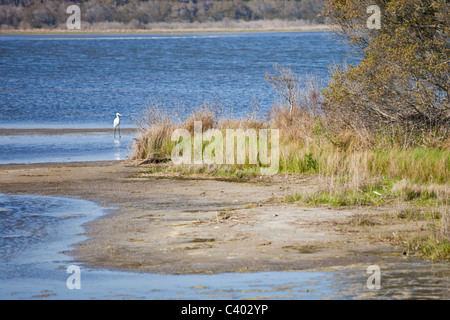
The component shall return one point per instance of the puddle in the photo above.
(36, 231)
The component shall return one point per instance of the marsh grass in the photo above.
(345, 165)
(350, 160)
(416, 231)
(434, 242)
(155, 129)
(345, 193)
(354, 168)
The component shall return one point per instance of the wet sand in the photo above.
(175, 224)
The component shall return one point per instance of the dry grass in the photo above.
(155, 129)
(207, 115)
(157, 125)
(432, 239)
(350, 159)
(440, 193)
(445, 227)
(354, 168)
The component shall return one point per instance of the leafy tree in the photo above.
(402, 82)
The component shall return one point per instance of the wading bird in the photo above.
(117, 123)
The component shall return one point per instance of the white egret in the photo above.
(117, 123)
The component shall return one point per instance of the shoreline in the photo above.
(162, 223)
(163, 31)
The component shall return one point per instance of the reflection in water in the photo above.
(36, 231)
(412, 281)
(117, 150)
(406, 280)
(63, 148)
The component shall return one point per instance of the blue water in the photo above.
(38, 231)
(64, 148)
(82, 81)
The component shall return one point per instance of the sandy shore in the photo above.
(172, 29)
(176, 224)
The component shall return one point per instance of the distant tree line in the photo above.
(45, 13)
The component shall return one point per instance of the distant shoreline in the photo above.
(163, 31)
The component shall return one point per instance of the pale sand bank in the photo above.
(196, 225)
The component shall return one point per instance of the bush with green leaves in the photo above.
(401, 85)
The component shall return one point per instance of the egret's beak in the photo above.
(120, 115)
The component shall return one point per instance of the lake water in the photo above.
(82, 81)
(64, 148)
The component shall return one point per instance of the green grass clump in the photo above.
(348, 198)
(429, 246)
(416, 164)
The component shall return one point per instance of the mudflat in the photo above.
(171, 223)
